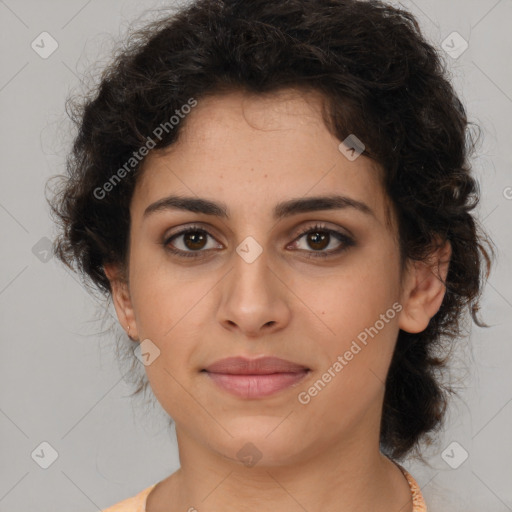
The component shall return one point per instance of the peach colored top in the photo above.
(137, 503)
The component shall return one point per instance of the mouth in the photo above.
(255, 378)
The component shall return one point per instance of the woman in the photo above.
(277, 198)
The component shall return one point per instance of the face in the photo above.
(314, 283)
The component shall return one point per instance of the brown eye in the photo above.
(318, 238)
(191, 242)
(194, 240)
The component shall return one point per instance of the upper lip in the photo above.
(261, 366)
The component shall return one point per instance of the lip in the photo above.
(255, 378)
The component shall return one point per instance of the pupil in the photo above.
(195, 238)
(318, 239)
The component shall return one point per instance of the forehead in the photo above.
(253, 151)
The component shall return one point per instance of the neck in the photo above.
(350, 475)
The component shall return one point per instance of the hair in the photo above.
(380, 80)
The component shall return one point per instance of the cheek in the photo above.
(173, 308)
(353, 298)
(355, 356)
(165, 297)
(358, 308)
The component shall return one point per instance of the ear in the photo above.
(121, 299)
(424, 289)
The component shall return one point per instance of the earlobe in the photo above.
(424, 290)
(121, 299)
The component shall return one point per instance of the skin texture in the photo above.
(251, 152)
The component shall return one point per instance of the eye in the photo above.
(319, 237)
(193, 240)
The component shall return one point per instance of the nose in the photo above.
(255, 301)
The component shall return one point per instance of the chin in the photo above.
(261, 442)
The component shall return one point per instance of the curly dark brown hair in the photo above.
(380, 79)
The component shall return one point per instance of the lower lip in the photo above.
(256, 386)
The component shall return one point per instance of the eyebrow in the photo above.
(281, 210)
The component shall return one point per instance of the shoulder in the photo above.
(136, 503)
(419, 504)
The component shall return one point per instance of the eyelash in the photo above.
(342, 237)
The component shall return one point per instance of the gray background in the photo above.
(61, 382)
